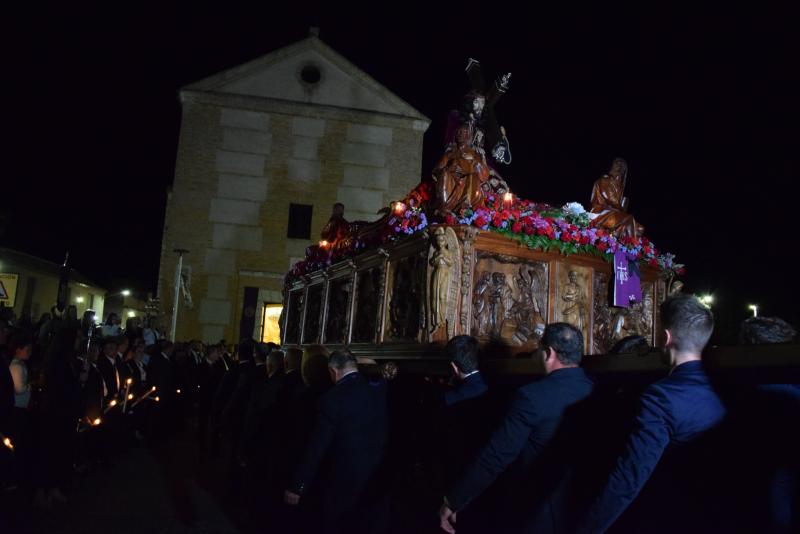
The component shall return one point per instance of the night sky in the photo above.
(704, 107)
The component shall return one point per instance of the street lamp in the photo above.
(79, 300)
(754, 309)
(708, 300)
(125, 293)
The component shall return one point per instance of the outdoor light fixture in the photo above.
(754, 308)
(79, 300)
(131, 314)
(126, 292)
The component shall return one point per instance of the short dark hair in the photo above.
(275, 359)
(631, 345)
(761, 330)
(293, 358)
(463, 351)
(566, 340)
(689, 321)
(19, 340)
(342, 359)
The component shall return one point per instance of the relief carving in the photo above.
(602, 315)
(510, 301)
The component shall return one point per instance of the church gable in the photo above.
(309, 72)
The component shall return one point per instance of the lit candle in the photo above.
(178, 391)
(323, 244)
(508, 198)
(110, 405)
(97, 422)
(399, 208)
(8, 444)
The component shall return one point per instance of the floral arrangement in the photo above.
(537, 226)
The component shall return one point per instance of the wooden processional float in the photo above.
(461, 254)
(405, 300)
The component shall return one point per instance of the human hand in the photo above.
(447, 519)
(292, 499)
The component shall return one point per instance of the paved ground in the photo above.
(146, 491)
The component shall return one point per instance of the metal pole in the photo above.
(178, 270)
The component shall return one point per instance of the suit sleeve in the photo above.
(503, 447)
(321, 438)
(638, 461)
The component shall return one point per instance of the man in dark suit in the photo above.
(161, 375)
(210, 371)
(674, 415)
(528, 427)
(350, 435)
(462, 423)
(108, 365)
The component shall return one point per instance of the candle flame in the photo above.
(508, 197)
(399, 208)
(153, 388)
(129, 381)
(113, 403)
(130, 396)
(97, 421)
(178, 391)
(323, 244)
(8, 444)
(157, 399)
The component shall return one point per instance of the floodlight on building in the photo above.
(79, 300)
(754, 309)
(131, 314)
(126, 292)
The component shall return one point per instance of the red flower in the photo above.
(653, 262)
(497, 221)
(516, 227)
(529, 229)
(541, 231)
(584, 240)
(566, 237)
(450, 219)
(681, 271)
(480, 221)
(602, 247)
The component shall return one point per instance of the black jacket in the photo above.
(524, 434)
(350, 438)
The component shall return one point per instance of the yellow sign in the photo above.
(8, 289)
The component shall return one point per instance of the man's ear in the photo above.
(454, 367)
(667, 338)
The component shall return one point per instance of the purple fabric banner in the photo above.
(627, 286)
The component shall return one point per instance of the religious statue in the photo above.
(463, 176)
(609, 204)
(460, 174)
(501, 301)
(442, 263)
(574, 311)
(481, 306)
(337, 227)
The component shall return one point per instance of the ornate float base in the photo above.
(407, 299)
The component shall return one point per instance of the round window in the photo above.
(310, 74)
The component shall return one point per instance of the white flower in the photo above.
(573, 208)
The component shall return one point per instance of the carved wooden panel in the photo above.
(405, 317)
(336, 317)
(368, 300)
(573, 298)
(636, 320)
(509, 300)
(293, 316)
(311, 329)
(601, 335)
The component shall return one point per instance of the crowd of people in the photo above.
(319, 441)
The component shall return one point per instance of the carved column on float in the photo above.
(466, 277)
